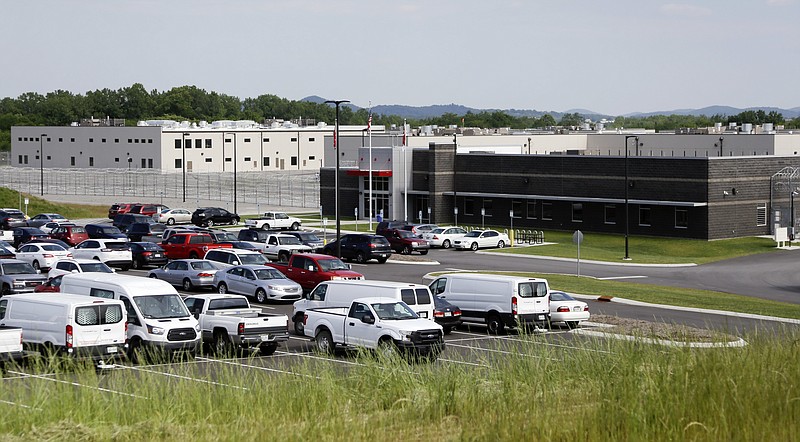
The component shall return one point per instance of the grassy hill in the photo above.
(11, 198)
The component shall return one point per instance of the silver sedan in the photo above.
(189, 274)
(262, 283)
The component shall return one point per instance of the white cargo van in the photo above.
(67, 324)
(342, 293)
(158, 320)
(498, 301)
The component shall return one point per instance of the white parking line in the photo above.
(262, 306)
(260, 368)
(188, 378)
(501, 351)
(81, 385)
(24, 376)
(14, 404)
(622, 277)
(341, 361)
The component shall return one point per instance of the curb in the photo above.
(737, 343)
(419, 263)
(585, 261)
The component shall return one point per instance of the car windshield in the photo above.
(149, 246)
(474, 234)
(111, 230)
(269, 274)
(161, 306)
(332, 264)
(252, 258)
(394, 310)
(289, 241)
(53, 248)
(227, 236)
(116, 245)
(406, 234)
(203, 265)
(18, 268)
(439, 230)
(308, 237)
(78, 230)
(97, 267)
(560, 296)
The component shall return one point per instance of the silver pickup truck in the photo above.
(228, 323)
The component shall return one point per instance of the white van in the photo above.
(342, 293)
(158, 319)
(498, 301)
(67, 324)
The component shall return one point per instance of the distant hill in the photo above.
(438, 110)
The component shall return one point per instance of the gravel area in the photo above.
(415, 257)
(657, 330)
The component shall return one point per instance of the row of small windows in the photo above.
(147, 163)
(91, 140)
(200, 143)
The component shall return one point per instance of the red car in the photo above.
(53, 285)
(118, 208)
(147, 209)
(71, 235)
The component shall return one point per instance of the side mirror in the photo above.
(367, 319)
(349, 266)
(236, 263)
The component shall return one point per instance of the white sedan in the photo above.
(173, 216)
(69, 265)
(564, 308)
(42, 256)
(443, 236)
(478, 239)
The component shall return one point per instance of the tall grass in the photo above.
(607, 390)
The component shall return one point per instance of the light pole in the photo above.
(720, 145)
(41, 163)
(235, 196)
(455, 199)
(183, 162)
(627, 218)
(791, 214)
(336, 151)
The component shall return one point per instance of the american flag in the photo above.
(369, 122)
(404, 132)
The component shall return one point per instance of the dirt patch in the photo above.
(657, 330)
(410, 258)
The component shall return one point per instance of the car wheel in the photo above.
(283, 257)
(501, 244)
(406, 250)
(6, 290)
(137, 264)
(474, 246)
(210, 223)
(153, 275)
(299, 327)
(324, 342)
(261, 296)
(125, 268)
(265, 226)
(235, 221)
(295, 226)
(423, 252)
(171, 221)
(193, 255)
(572, 324)
(387, 348)
(267, 349)
(494, 324)
(222, 343)
(35, 265)
(187, 284)
(446, 244)
(222, 288)
(361, 258)
(447, 329)
(382, 260)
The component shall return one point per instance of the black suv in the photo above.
(104, 231)
(211, 216)
(385, 227)
(137, 231)
(362, 247)
(22, 235)
(254, 235)
(10, 218)
(123, 221)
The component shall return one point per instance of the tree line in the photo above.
(189, 103)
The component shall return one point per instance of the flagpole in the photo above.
(369, 130)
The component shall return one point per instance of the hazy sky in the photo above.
(613, 57)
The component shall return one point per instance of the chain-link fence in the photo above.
(274, 188)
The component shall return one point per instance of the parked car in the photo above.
(173, 216)
(385, 226)
(42, 256)
(224, 258)
(147, 254)
(190, 274)
(44, 218)
(57, 242)
(115, 253)
(443, 236)
(406, 242)
(262, 283)
(254, 235)
(18, 277)
(280, 247)
(7, 252)
(152, 232)
(123, 221)
(419, 229)
(10, 218)
(310, 269)
(243, 245)
(104, 231)
(212, 216)
(361, 247)
(71, 265)
(564, 308)
(147, 209)
(308, 238)
(445, 314)
(22, 235)
(188, 244)
(52, 225)
(118, 208)
(70, 234)
(220, 235)
(478, 239)
(274, 220)
(52, 285)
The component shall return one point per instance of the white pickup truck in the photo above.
(227, 322)
(274, 220)
(383, 324)
(280, 247)
(10, 345)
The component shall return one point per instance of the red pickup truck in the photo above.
(189, 245)
(309, 269)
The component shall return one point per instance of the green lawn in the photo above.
(36, 205)
(665, 295)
